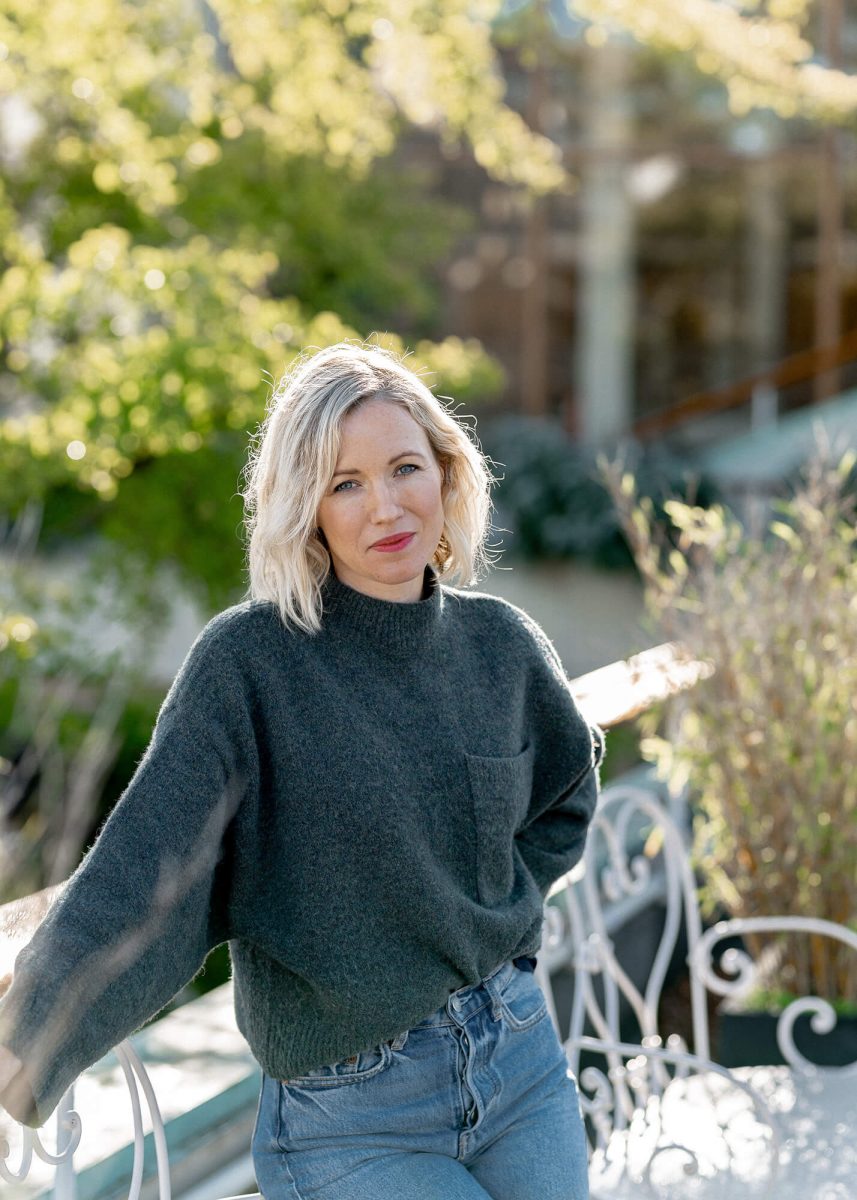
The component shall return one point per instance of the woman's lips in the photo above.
(399, 544)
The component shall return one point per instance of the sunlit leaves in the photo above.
(162, 264)
(449, 80)
(759, 50)
(108, 77)
(161, 347)
(138, 91)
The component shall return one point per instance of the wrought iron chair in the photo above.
(664, 1119)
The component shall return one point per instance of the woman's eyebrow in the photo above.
(395, 458)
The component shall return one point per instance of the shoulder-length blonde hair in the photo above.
(293, 456)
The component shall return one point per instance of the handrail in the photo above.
(796, 368)
(624, 689)
(609, 695)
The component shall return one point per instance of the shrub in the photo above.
(768, 741)
(551, 502)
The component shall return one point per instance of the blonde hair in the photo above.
(293, 456)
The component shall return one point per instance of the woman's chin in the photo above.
(406, 576)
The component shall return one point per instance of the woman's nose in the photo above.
(383, 503)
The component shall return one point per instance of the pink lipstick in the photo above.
(394, 543)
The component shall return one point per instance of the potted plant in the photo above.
(767, 742)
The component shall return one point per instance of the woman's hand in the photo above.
(15, 1093)
(9, 1066)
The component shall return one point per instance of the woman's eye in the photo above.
(409, 467)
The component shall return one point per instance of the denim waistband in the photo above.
(465, 1001)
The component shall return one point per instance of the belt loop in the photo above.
(399, 1040)
(493, 989)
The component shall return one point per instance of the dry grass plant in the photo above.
(768, 742)
(62, 701)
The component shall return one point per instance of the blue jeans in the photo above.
(477, 1100)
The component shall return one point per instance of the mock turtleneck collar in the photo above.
(394, 624)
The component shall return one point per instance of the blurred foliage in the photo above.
(624, 752)
(148, 93)
(70, 742)
(775, 1001)
(768, 741)
(759, 49)
(19, 631)
(189, 197)
(75, 714)
(551, 501)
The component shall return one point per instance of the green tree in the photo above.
(190, 195)
(760, 49)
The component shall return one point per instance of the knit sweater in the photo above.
(371, 816)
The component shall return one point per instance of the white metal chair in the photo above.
(69, 1131)
(663, 1119)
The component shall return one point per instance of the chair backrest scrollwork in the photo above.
(636, 1093)
(69, 1132)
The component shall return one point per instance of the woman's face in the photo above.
(387, 483)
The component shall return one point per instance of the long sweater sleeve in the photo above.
(553, 842)
(569, 751)
(147, 903)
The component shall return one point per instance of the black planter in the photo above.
(749, 1039)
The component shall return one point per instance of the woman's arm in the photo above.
(569, 751)
(149, 901)
(554, 841)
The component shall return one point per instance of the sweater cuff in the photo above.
(21, 1020)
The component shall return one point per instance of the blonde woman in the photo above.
(365, 778)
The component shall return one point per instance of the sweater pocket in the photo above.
(500, 789)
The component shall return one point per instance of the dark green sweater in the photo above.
(371, 817)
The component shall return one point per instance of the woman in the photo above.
(366, 780)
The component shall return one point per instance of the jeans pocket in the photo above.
(523, 1001)
(353, 1069)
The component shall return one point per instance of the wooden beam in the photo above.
(624, 689)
